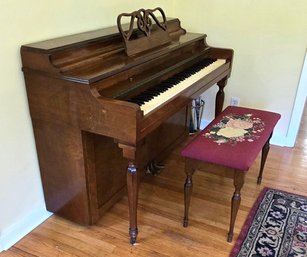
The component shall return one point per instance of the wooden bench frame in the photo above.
(238, 180)
(191, 164)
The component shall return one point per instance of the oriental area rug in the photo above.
(276, 226)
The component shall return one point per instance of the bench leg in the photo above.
(236, 200)
(264, 154)
(188, 186)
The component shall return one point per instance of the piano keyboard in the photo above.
(164, 92)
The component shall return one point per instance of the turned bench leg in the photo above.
(188, 186)
(264, 154)
(238, 181)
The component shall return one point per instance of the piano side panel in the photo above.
(83, 174)
(37, 61)
(222, 53)
(110, 169)
(63, 175)
(69, 103)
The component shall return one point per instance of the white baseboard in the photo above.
(11, 235)
(279, 141)
(204, 123)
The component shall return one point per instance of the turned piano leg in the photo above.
(132, 185)
(220, 96)
(129, 153)
(188, 187)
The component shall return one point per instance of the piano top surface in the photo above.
(92, 56)
(69, 41)
(83, 38)
(109, 65)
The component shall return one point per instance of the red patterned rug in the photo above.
(276, 226)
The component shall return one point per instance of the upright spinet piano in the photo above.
(105, 103)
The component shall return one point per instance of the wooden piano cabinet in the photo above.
(93, 142)
(84, 174)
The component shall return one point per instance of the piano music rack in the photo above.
(148, 35)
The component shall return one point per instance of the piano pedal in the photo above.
(154, 168)
(158, 165)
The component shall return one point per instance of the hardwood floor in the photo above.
(161, 211)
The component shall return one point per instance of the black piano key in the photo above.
(173, 80)
(180, 77)
(150, 93)
(142, 98)
(138, 99)
(183, 75)
(136, 102)
(147, 96)
(154, 91)
(162, 88)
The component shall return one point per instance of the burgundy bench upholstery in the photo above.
(233, 139)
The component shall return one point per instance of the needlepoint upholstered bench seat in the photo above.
(233, 139)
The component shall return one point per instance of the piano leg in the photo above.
(129, 153)
(132, 184)
(220, 95)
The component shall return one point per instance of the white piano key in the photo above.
(172, 92)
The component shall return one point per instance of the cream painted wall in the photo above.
(21, 199)
(269, 39)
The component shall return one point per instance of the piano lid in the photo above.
(91, 56)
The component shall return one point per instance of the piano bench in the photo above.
(233, 140)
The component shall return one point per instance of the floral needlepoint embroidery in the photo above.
(235, 128)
